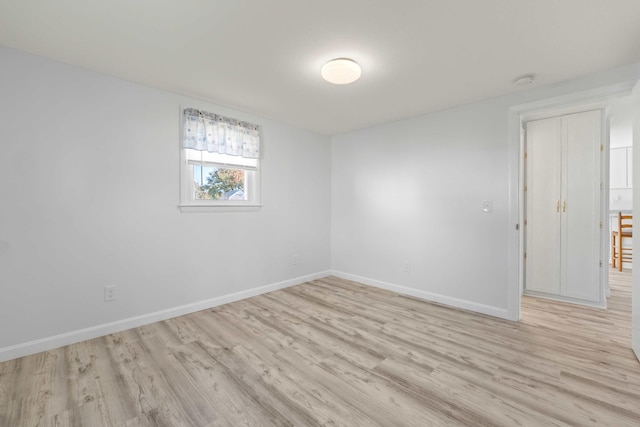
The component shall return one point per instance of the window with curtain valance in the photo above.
(220, 161)
(204, 131)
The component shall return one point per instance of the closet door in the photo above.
(580, 275)
(543, 185)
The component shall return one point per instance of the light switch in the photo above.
(487, 206)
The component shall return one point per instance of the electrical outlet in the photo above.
(110, 293)
(296, 259)
(406, 267)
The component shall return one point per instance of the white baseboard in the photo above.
(49, 343)
(502, 313)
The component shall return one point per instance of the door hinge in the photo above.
(601, 147)
(517, 226)
(600, 263)
(601, 224)
(525, 255)
(525, 154)
(525, 222)
(525, 188)
(601, 186)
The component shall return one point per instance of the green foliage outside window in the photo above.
(219, 183)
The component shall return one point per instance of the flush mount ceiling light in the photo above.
(341, 71)
(525, 80)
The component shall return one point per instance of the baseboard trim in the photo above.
(72, 337)
(429, 296)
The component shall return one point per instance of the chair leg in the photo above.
(620, 252)
(613, 251)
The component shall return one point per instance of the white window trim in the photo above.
(218, 208)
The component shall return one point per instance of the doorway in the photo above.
(563, 206)
(515, 243)
(564, 178)
(580, 101)
(620, 121)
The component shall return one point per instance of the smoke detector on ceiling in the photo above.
(524, 80)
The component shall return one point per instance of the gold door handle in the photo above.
(564, 205)
(557, 205)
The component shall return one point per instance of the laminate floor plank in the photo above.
(327, 339)
(273, 399)
(493, 408)
(179, 388)
(339, 353)
(287, 371)
(230, 402)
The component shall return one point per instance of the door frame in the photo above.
(565, 104)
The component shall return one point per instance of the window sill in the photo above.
(218, 208)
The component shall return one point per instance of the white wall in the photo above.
(621, 133)
(88, 198)
(413, 191)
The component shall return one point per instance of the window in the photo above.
(220, 165)
(219, 177)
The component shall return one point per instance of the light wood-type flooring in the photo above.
(333, 352)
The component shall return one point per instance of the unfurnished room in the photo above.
(319, 213)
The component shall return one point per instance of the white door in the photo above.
(542, 226)
(580, 224)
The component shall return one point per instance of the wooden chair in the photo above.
(620, 254)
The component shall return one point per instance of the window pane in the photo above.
(219, 184)
(197, 174)
(206, 157)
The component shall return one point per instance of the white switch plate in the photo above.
(487, 206)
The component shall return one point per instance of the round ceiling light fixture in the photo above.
(341, 71)
(525, 80)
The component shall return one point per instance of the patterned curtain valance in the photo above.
(210, 132)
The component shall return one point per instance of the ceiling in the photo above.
(264, 56)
